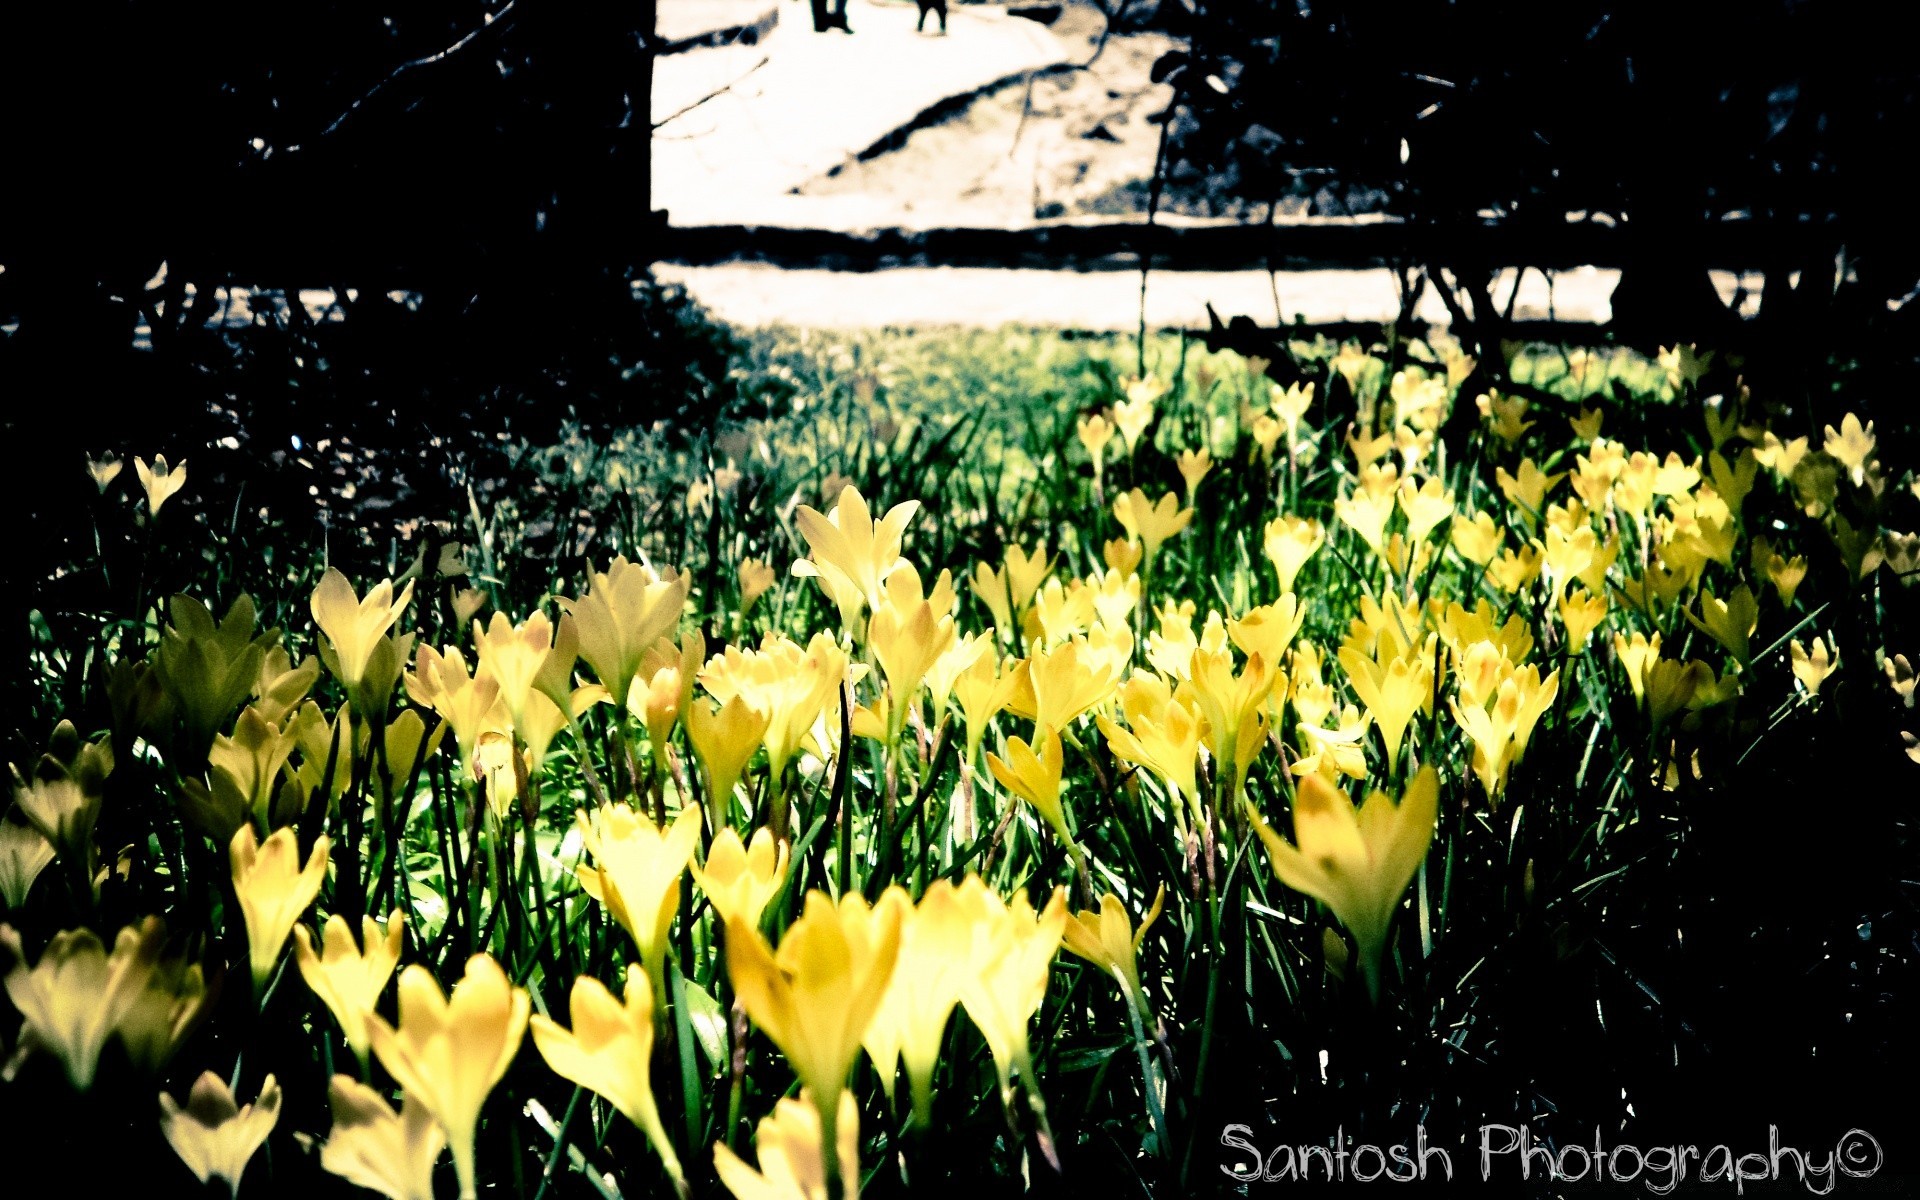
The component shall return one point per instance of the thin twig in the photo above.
(492, 22)
(709, 96)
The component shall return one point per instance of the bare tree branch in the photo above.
(675, 116)
(495, 23)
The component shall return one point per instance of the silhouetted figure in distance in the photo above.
(830, 14)
(933, 6)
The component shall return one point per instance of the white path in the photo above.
(754, 294)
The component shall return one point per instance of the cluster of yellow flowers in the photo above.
(1482, 611)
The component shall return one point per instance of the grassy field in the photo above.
(1126, 743)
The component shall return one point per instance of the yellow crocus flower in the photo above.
(1811, 668)
(408, 746)
(792, 685)
(1566, 556)
(320, 741)
(157, 481)
(1122, 555)
(164, 1012)
(1528, 490)
(623, 613)
(215, 1136)
(208, 669)
(1633, 487)
(1670, 686)
(1901, 677)
(1095, 431)
(1368, 450)
(911, 1023)
(1232, 708)
(1288, 543)
(1594, 576)
(1586, 425)
(1356, 861)
(1418, 398)
(1482, 667)
(1366, 512)
(1782, 458)
(1477, 539)
(1108, 648)
(62, 798)
(353, 629)
(816, 995)
(1732, 481)
(1684, 364)
(470, 704)
(281, 685)
(1108, 940)
(500, 770)
(1060, 611)
(609, 1052)
(724, 740)
(1383, 628)
(105, 469)
(1013, 948)
(1852, 444)
(1059, 685)
(1033, 774)
(1170, 647)
(756, 578)
(1290, 403)
(371, 1146)
(75, 996)
(1164, 729)
(1151, 523)
(1115, 597)
(449, 1052)
(1636, 654)
(1025, 572)
(349, 978)
(1515, 571)
(1491, 730)
(1730, 622)
(991, 588)
(788, 1147)
(1675, 477)
(636, 872)
(1392, 692)
(907, 637)
(1505, 415)
(521, 659)
(656, 701)
(24, 853)
(851, 553)
(981, 691)
(1426, 506)
(741, 878)
(244, 768)
(1460, 629)
(1132, 416)
(1194, 465)
(544, 722)
(273, 889)
(466, 603)
(1786, 574)
(1581, 614)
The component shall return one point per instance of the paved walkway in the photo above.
(754, 294)
(800, 102)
